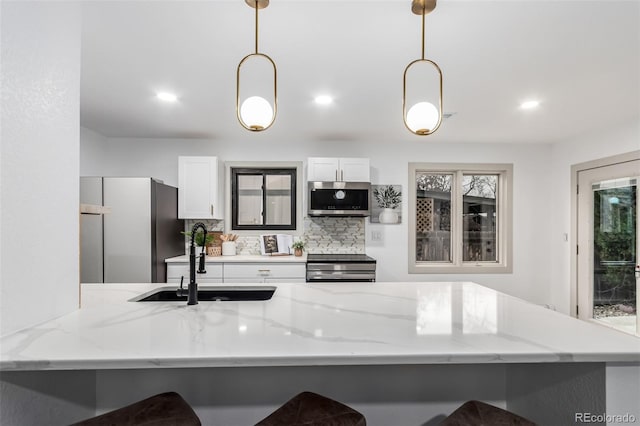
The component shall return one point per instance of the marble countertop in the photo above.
(243, 258)
(312, 324)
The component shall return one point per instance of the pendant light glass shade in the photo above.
(256, 113)
(424, 116)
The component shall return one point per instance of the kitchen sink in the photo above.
(208, 294)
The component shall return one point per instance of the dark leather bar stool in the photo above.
(311, 409)
(165, 409)
(476, 413)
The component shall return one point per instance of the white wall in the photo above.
(158, 158)
(39, 162)
(623, 139)
(95, 144)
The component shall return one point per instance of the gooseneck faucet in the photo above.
(192, 290)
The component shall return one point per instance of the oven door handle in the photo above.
(339, 276)
(341, 267)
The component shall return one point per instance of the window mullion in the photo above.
(264, 199)
(456, 215)
(501, 215)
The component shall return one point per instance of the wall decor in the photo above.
(386, 204)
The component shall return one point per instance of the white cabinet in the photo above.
(330, 169)
(239, 272)
(264, 272)
(354, 170)
(322, 169)
(175, 271)
(199, 194)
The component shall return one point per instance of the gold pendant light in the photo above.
(423, 118)
(256, 113)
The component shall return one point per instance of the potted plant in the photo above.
(199, 238)
(297, 247)
(388, 199)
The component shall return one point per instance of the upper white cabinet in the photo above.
(330, 169)
(199, 195)
(354, 170)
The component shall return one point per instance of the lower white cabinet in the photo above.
(261, 272)
(177, 270)
(240, 272)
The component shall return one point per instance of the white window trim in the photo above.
(504, 265)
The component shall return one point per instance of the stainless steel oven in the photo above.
(340, 267)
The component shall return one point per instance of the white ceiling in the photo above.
(581, 59)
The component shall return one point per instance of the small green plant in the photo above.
(298, 245)
(387, 197)
(199, 239)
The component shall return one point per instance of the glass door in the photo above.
(608, 245)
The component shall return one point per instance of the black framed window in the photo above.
(263, 198)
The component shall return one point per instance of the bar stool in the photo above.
(165, 409)
(311, 409)
(476, 413)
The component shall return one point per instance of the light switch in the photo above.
(376, 235)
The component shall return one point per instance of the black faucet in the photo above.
(192, 290)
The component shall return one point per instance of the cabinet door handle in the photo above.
(211, 209)
(342, 175)
(336, 174)
(264, 271)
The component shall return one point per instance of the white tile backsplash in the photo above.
(334, 234)
(321, 234)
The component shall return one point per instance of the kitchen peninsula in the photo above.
(398, 352)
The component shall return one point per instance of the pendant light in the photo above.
(423, 117)
(256, 113)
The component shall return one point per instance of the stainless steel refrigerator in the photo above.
(129, 244)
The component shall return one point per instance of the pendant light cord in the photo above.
(423, 10)
(256, 26)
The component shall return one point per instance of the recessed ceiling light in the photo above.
(323, 100)
(166, 96)
(530, 104)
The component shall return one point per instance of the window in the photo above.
(263, 198)
(460, 218)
